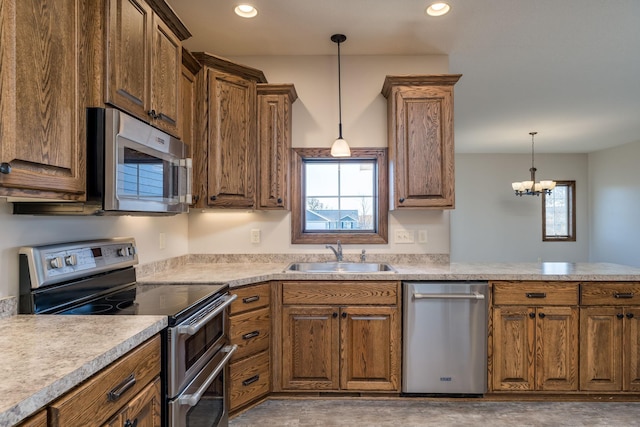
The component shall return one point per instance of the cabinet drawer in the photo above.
(250, 331)
(331, 293)
(610, 293)
(37, 420)
(89, 404)
(535, 293)
(250, 297)
(250, 379)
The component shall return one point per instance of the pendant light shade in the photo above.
(340, 148)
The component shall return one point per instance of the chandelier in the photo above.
(533, 188)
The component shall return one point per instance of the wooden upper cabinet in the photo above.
(43, 50)
(190, 67)
(420, 138)
(274, 145)
(226, 150)
(144, 65)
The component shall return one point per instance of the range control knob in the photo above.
(56, 262)
(126, 251)
(71, 259)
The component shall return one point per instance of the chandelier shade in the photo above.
(531, 187)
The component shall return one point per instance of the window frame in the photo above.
(571, 185)
(299, 236)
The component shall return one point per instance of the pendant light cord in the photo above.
(339, 95)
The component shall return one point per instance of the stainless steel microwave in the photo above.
(132, 168)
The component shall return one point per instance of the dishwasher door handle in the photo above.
(474, 296)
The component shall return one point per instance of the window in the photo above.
(339, 198)
(559, 213)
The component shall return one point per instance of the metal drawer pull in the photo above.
(250, 335)
(121, 388)
(623, 295)
(536, 294)
(475, 295)
(194, 328)
(193, 399)
(251, 299)
(251, 380)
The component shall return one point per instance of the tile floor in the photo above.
(428, 413)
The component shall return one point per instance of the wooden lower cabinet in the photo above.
(354, 346)
(250, 330)
(610, 349)
(535, 347)
(141, 411)
(37, 420)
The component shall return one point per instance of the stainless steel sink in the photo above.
(339, 267)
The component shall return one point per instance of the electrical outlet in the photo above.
(404, 236)
(255, 235)
(162, 240)
(422, 236)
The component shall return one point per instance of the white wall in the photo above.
(614, 181)
(491, 224)
(27, 230)
(315, 124)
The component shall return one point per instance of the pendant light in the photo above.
(340, 148)
(532, 188)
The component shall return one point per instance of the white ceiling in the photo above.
(568, 69)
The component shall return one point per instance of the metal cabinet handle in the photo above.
(5, 168)
(121, 388)
(152, 114)
(401, 200)
(536, 295)
(629, 315)
(251, 380)
(542, 315)
(213, 198)
(344, 315)
(334, 315)
(251, 299)
(474, 295)
(532, 315)
(193, 399)
(192, 329)
(623, 295)
(620, 316)
(279, 200)
(250, 335)
(130, 423)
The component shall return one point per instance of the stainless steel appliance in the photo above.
(132, 168)
(445, 338)
(98, 277)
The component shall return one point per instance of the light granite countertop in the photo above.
(239, 274)
(44, 356)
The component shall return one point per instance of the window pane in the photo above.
(339, 195)
(559, 213)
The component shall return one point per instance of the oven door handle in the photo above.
(194, 328)
(193, 399)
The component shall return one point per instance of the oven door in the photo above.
(193, 342)
(145, 169)
(204, 403)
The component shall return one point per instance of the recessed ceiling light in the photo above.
(246, 11)
(438, 9)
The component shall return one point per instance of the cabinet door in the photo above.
(187, 114)
(274, 143)
(42, 121)
(141, 411)
(557, 349)
(422, 155)
(370, 348)
(631, 353)
(232, 144)
(601, 348)
(166, 78)
(129, 56)
(513, 348)
(310, 348)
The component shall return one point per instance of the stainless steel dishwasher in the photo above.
(444, 338)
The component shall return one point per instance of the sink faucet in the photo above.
(338, 252)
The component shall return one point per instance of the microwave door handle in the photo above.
(194, 328)
(193, 399)
(187, 164)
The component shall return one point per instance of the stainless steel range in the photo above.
(98, 277)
